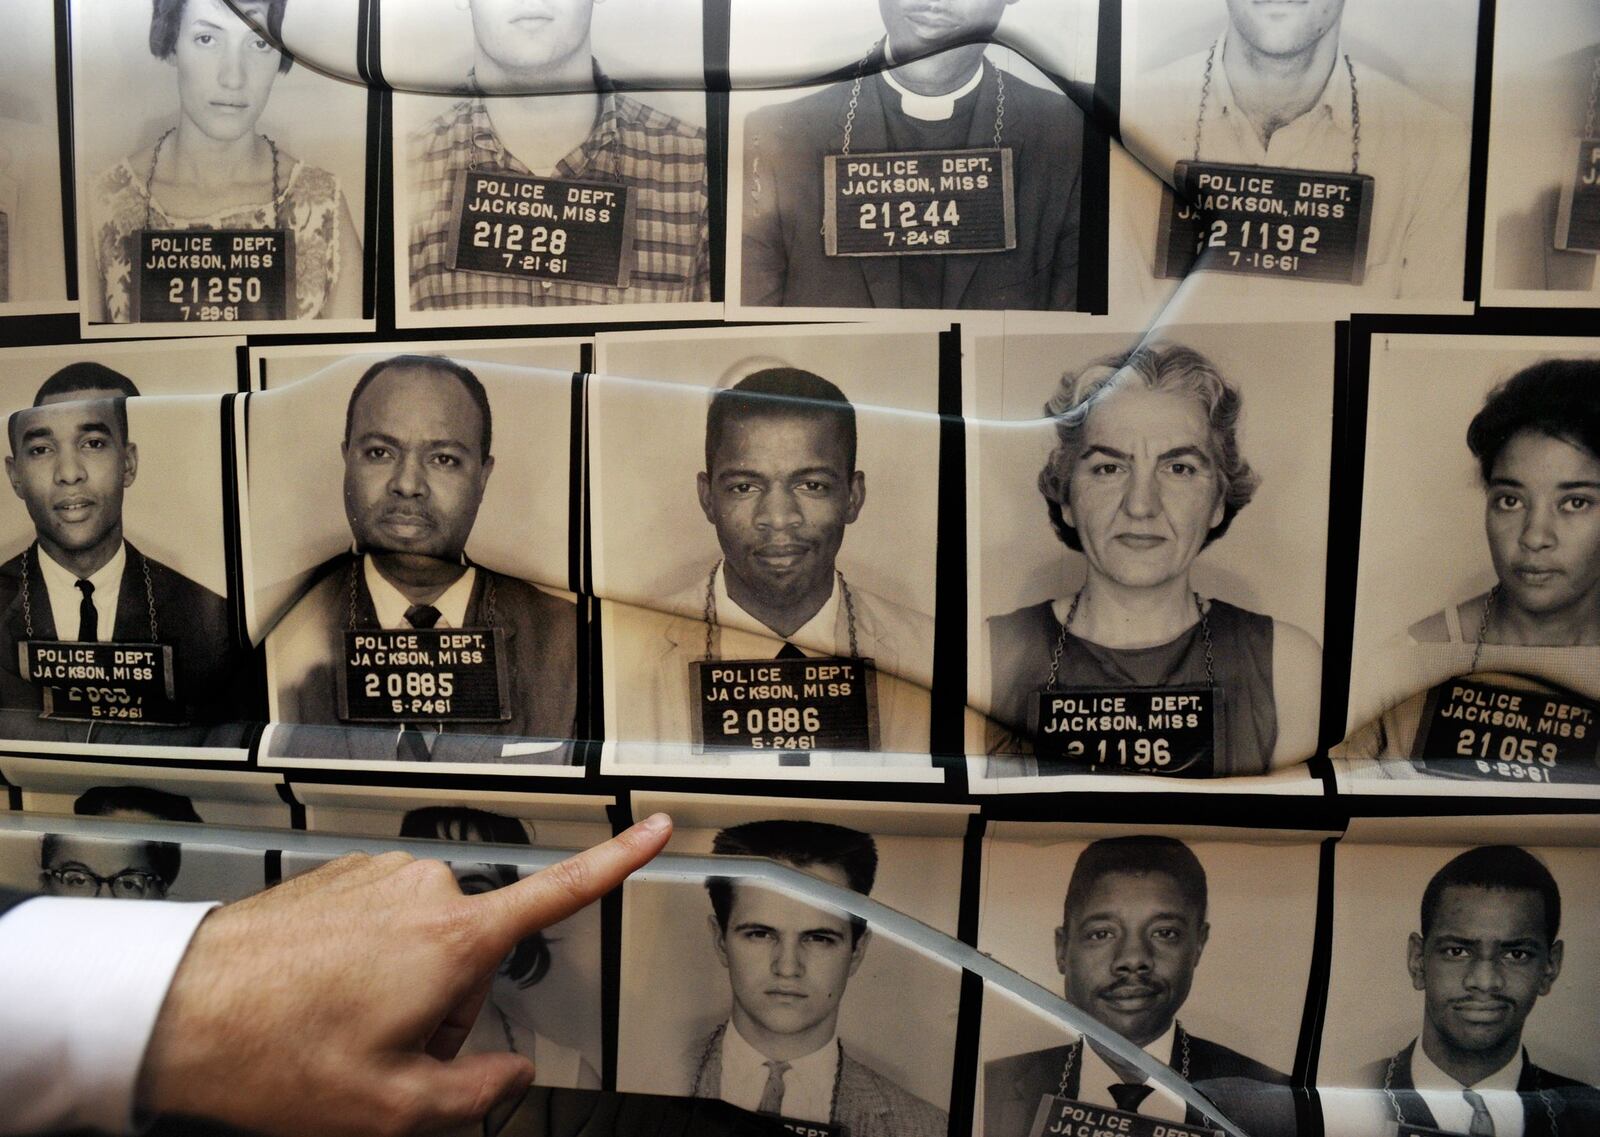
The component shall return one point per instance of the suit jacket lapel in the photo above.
(958, 270)
(869, 135)
(1413, 1110)
(133, 605)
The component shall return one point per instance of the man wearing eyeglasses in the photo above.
(120, 870)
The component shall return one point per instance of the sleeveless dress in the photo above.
(310, 203)
(1021, 644)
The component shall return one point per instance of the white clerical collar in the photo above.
(808, 1082)
(61, 586)
(1426, 1074)
(816, 633)
(390, 603)
(929, 108)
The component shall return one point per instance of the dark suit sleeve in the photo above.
(10, 898)
(764, 257)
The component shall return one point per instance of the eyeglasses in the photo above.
(129, 884)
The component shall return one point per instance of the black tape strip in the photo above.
(272, 868)
(611, 958)
(969, 1020)
(949, 695)
(1100, 127)
(1352, 358)
(380, 280)
(64, 138)
(716, 34)
(1316, 1008)
(1477, 180)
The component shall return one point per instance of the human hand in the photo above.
(335, 1002)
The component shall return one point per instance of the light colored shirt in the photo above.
(1416, 152)
(81, 984)
(66, 599)
(1449, 1106)
(390, 603)
(1096, 1076)
(818, 635)
(807, 1084)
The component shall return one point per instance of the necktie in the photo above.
(1482, 1124)
(772, 1092)
(1128, 1095)
(88, 615)
(789, 651)
(413, 743)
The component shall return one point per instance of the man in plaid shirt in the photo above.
(596, 135)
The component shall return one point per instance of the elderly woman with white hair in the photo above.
(1145, 474)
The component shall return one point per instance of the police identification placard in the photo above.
(1578, 213)
(1064, 1117)
(1265, 221)
(102, 682)
(827, 703)
(1126, 730)
(918, 201)
(212, 275)
(1423, 1131)
(810, 1128)
(541, 228)
(423, 675)
(1488, 732)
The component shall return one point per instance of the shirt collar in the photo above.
(390, 603)
(928, 108)
(1099, 1073)
(818, 633)
(601, 143)
(107, 579)
(1335, 101)
(811, 1075)
(1426, 1075)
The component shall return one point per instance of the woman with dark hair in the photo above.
(1146, 473)
(212, 170)
(501, 1025)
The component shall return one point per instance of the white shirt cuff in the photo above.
(81, 983)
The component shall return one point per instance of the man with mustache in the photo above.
(780, 487)
(80, 580)
(924, 87)
(1486, 951)
(1132, 933)
(417, 461)
(788, 965)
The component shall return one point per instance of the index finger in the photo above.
(515, 912)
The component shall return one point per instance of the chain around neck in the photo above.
(855, 101)
(1072, 610)
(155, 157)
(709, 614)
(1355, 106)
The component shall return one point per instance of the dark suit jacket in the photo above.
(1253, 1096)
(10, 898)
(211, 671)
(783, 260)
(1552, 1106)
(540, 652)
(547, 1112)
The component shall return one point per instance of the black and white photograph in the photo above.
(129, 868)
(1319, 151)
(1461, 996)
(1542, 213)
(117, 637)
(764, 507)
(558, 821)
(1147, 533)
(1162, 935)
(274, 367)
(548, 186)
(544, 1000)
(1477, 618)
(250, 798)
(782, 1007)
(33, 271)
(924, 166)
(407, 526)
(233, 198)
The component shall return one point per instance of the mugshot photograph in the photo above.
(1478, 595)
(1162, 936)
(764, 528)
(1461, 993)
(1543, 202)
(1136, 616)
(1319, 152)
(407, 527)
(32, 270)
(220, 796)
(233, 194)
(275, 367)
(545, 181)
(116, 635)
(785, 1008)
(129, 868)
(933, 171)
